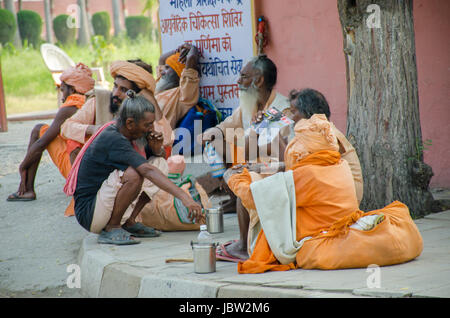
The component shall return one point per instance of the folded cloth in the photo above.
(80, 77)
(275, 202)
(176, 65)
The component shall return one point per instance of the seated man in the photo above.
(307, 102)
(75, 82)
(304, 104)
(256, 94)
(102, 106)
(107, 176)
(177, 86)
(309, 214)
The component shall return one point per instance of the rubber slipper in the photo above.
(140, 230)
(117, 237)
(16, 197)
(223, 255)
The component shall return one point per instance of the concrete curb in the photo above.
(140, 271)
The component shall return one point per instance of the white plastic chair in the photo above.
(57, 61)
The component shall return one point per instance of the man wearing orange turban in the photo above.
(177, 86)
(102, 106)
(304, 104)
(75, 82)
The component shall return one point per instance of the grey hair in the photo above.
(308, 101)
(134, 106)
(267, 68)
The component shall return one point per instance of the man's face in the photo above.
(66, 90)
(143, 127)
(294, 113)
(246, 77)
(248, 95)
(119, 92)
(169, 79)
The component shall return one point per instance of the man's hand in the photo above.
(92, 129)
(256, 167)
(258, 117)
(188, 55)
(208, 135)
(183, 50)
(155, 141)
(195, 209)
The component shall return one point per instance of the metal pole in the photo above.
(3, 121)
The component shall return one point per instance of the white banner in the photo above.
(223, 32)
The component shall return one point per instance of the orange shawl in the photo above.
(322, 181)
(78, 101)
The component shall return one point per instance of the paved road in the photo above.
(38, 242)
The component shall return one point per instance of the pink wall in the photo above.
(432, 28)
(306, 45)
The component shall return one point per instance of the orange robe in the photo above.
(326, 202)
(58, 148)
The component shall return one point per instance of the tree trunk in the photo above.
(84, 36)
(9, 5)
(116, 17)
(48, 22)
(383, 121)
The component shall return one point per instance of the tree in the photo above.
(84, 35)
(150, 6)
(48, 21)
(9, 5)
(116, 17)
(383, 120)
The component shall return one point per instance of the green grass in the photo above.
(29, 86)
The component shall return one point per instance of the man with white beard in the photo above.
(231, 138)
(177, 84)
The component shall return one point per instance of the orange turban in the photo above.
(311, 135)
(173, 62)
(80, 77)
(134, 73)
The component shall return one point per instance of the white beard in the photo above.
(248, 103)
(161, 85)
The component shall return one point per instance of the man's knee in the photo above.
(35, 132)
(130, 175)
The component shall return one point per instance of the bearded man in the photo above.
(102, 105)
(177, 85)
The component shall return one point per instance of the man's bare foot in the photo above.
(236, 249)
(27, 196)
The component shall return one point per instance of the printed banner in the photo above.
(223, 32)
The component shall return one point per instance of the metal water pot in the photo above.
(214, 220)
(204, 257)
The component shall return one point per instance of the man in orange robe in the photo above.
(75, 82)
(177, 85)
(303, 104)
(325, 207)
